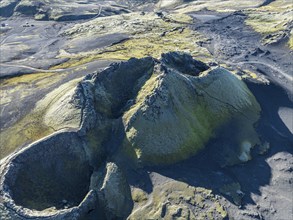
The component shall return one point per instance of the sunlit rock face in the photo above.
(178, 110)
(169, 108)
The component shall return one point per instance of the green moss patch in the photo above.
(31, 126)
(175, 199)
(150, 36)
(174, 116)
(271, 19)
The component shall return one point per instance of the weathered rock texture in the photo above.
(167, 202)
(48, 179)
(175, 114)
(114, 191)
(66, 10)
(146, 111)
(168, 110)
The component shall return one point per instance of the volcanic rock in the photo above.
(144, 111)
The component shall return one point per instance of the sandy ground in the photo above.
(29, 43)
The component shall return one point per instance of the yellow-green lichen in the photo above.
(220, 209)
(30, 127)
(154, 45)
(191, 137)
(266, 23)
(150, 36)
(175, 198)
(24, 131)
(251, 74)
(272, 18)
(139, 195)
(179, 122)
(216, 5)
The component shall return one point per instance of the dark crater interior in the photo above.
(59, 184)
(57, 177)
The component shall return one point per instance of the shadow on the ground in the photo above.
(204, 169)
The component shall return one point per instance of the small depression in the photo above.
(183, 63)
(52, 178)
(205, 17)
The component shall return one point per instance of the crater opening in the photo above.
(183, 63)
(58, 178)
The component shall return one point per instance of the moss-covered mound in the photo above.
(174, 115)
(178, 200)
(147, 110)
(159, 111)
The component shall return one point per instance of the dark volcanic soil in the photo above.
(266, 181)
(235, 44)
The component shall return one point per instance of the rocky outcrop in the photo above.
(113, 192)
(183, 63)
(144, 111)
(178, 200)
(169, 108)
(29, 7)
(65, 10)
(7, 7)
(52, 179)
(115, 87)
(49, 179)
(175, 114)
